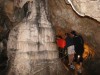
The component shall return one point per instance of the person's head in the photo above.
(67, 35)
(59, 37)
(73, 33)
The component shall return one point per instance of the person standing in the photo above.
(61, 43)
(70, 49)
(79, 49)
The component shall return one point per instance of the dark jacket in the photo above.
(69, 41)
(79, 44)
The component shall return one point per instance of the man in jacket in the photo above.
(79, 49)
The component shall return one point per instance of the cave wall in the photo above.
(63, 16)
(31, 46)
(63, 19)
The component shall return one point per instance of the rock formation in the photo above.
(31, 45)
(27, 35)
(87, 8)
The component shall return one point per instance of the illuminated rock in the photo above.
(87, 8)
(31, 45)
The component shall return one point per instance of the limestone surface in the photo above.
(87, 8)
(31, 45)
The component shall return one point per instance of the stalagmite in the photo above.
(31, 45)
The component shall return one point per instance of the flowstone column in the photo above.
(31, 45)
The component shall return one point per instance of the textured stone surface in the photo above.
(9, 9)
(64, 19)
(31, 45)
(87, 8)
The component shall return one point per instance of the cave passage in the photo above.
(88, 56)
(28, 33)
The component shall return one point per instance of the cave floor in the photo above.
(3, 68)
(73, 71)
